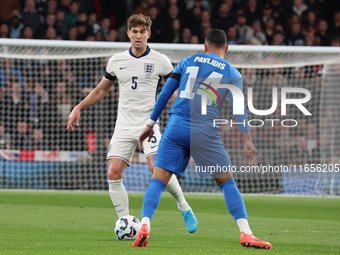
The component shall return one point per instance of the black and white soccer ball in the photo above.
(127, 227)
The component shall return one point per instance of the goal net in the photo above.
(41, 81)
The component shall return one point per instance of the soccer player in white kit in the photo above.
(138, 71)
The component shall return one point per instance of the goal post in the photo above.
(46, 79)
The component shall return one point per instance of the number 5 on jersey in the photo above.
(134, 82)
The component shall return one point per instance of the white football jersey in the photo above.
(138, 79)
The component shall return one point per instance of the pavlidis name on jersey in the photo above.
(210, 62)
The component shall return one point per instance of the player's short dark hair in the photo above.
(216, 38)
(139, 20)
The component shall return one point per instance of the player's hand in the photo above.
(147, 132)
(249, 151)
(74, 116)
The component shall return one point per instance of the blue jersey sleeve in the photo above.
(169, 88)
(242, 120)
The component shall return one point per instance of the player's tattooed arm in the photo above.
(95, 96)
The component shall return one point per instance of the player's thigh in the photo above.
(210, 156)
(173, 153)
(122, 145)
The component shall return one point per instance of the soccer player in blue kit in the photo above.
(191, 131)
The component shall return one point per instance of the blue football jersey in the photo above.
(204, 81)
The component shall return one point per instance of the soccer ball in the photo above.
(126, 227)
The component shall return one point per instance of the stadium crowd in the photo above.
(252, 22)
(36, 96)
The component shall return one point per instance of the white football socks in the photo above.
(244, 226)
(175, 190)
(145, 220)
(119, 197)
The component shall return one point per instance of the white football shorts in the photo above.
(124, 142)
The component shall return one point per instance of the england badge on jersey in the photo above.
(148, 69)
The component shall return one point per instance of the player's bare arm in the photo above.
(249, 150)
(95, 96)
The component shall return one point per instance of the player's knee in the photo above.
(114, 174)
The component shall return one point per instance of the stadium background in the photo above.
(36, 95)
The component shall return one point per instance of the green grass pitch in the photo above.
(82, 223)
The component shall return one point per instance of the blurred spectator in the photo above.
(15, 26)
(37, 141)
(7, 7)
(259, 37)
(157, 28)
(335, 41)
(27, 33)
(224, 19)
(171, 15)
(65, 5)
(295, 36)
(279, 12)
(277, 39)
(244, 31)
(51, 34)
(59, 24)
(300, 8)
(20, 136)
(335, 25)
(38, 100)
(252, 12)
(185, 36)
(5, 138)
(4, 30)
(293, 18)
(266, 13)
(316, 6)
(51, 7)
(194, 39)
(202, 4)
(232, 38)
(311, 23)
(30, 17)
(72, 33)
(325, 39)
(144, 7)
(113, 35)
(204, 24)
(173, 35)
(269, 30)
(10, 73)
(104, 30)
(309, 39)
(92, 21)
(82, 32)
(82, 17)
(50, 22)
(72, 16)
(194, 17)
(64, 101)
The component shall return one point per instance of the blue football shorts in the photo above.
(206, 148)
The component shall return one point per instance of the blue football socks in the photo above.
(234, 200)
(152, 197)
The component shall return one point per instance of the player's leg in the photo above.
(150, 149)
(151, 200)
(119, 156)
(118, 194)
(236, 207)
(172, 187)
